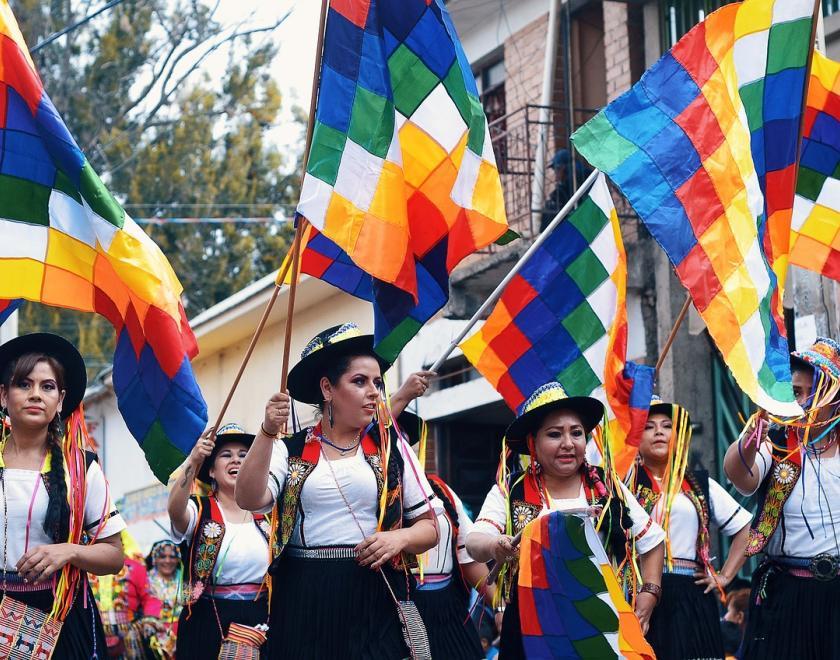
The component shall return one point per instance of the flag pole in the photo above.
(673, 335)
(284, 269)
(278, 282)
(301, 221)
(561, 215)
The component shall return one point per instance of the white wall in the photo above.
(484, 26)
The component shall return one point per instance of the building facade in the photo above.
(543, 68)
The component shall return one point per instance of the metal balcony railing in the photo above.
(516, 141)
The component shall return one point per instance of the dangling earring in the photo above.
(213, 485)
(330, 414)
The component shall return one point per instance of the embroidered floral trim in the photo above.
(784, 478)
(783, 473)
(523, 513)
(298, 472)
(212, 529)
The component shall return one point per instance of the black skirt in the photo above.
(334, 608)
(797, 618)
(452, 633)
(81, 635)
(510, 641)
(685, 624)
(199, 635)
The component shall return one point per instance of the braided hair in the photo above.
(617, 521)
(57, 519)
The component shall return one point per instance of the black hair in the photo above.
(57, 519)
(448, 506)
(338, 367)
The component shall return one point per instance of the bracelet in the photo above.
(269, 435)
(653, 589)
(499, 610)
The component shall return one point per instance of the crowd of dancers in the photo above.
(332, 542)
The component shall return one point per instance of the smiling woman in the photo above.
(351, 504)
(552, 429)
(48, 508)
(228, 546)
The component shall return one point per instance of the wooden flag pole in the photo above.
(673, 335)
(561, 215)
(281, 276)
(260, 326)
(302, 222)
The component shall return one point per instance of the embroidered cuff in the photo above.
(493, 523)
(731, 518)
(644, 531)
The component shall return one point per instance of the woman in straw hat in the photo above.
(58, 522)
(352, 508)
(794, 468)
(227, 557)
(686, 623)
(552, 429)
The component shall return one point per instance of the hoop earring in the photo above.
(330, 414)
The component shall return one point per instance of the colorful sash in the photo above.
(648, 493)
(206, 543)
(570, 603)
(775, 489)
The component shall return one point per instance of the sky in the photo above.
(293, 67)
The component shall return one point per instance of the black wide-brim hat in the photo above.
(304, 380)
(61, 350)
(411, 426)
(224, 436)
(547, 398)
(660, 407)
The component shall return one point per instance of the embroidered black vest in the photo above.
(205, 544)
(304, 453)
(525, 504)
(776, 488)
(695, 487)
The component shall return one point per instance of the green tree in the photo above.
(134, 91)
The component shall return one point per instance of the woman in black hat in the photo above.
(58, 522)
(553, 429)
(228, 556)
(686, 624)
(349, 498)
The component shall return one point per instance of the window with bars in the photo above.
(679, 16)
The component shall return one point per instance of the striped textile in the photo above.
(704, 147)
(67, 242)
(815, 230)
(563, 318)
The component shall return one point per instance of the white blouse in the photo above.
(243, 556)
(323, 518)
(815, 499)
(438, 560)
(494, 510)
(19, 486)
(725, 512)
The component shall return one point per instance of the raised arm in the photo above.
(414, 386)
(252, 491)
(180, 486)
(739, 463)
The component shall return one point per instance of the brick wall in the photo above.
(623, 46)
(524, 59)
